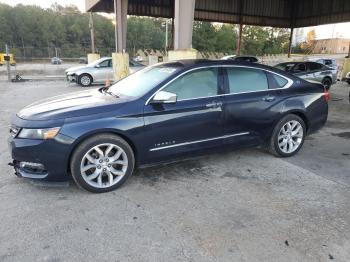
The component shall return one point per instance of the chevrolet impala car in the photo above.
(167, 111)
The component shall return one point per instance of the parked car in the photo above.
(347, 78)
(96, 72)
(332, 63)
(56, 61)
(138, 58)
(311, 71)
(83, 60)
(162, 112)
(251, 59)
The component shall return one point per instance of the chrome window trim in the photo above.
(289, 83)
(198, 141)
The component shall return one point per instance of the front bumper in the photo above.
(52, 155)
(71, 78)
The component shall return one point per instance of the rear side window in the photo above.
(314, 66)
(246, 80)
(276, 81)
(328, 62)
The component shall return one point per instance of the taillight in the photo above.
(326, 96)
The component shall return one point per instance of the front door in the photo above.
(104, 71)
(194, 122)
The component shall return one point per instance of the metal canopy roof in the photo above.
(276, 13)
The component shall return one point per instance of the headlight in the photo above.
(47, 133)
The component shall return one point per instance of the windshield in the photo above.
(141, 82)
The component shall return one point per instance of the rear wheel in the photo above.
(102, 163)
(327, 83)
(85, 80)
(288, 136)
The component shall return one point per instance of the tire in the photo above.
(327, 83)
(85, 80)
(108, 159)
(297, 140)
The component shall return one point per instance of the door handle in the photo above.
(269, 98)
(211, 105)
(214, 105)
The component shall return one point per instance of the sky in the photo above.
(323, 31)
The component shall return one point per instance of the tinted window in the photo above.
(106, 63)
(196, 84)
(285, 66)
(314, 66)
(246, 80)
(299, 68)
(246, 59)
(328, 62)
(276, 81)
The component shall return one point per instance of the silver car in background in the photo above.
(332, 63)
(311, 71)
(96, 72)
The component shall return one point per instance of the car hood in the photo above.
(72, 105)
(75, 68)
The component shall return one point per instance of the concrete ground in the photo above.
(238, 206)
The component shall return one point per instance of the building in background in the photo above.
(331, 46)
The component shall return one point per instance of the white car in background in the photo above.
(96, 72)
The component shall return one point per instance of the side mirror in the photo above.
(97, 66)
(164, 97)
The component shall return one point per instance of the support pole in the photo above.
(290, 42)
(239, 39)
(116, 24)
(8, 63)
(91, 26)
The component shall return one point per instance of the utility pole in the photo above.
(8, 63)
(91, 26)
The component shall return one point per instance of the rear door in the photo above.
(252, 104)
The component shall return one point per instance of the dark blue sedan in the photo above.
(167, 111)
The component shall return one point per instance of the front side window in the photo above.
(299, 68)
(243, 80)
(106, 63)
(196, 84)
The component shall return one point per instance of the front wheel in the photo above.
(85, 80)
(288, 136)
(102, 163)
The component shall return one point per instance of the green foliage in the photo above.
(35, 32)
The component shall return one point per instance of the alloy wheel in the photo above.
(85, 80)
(104, 165)
(290, 137)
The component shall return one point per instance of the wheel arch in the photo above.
(300, 114)
(85, 73)
(83, 138)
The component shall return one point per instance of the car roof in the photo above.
(197, 63)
